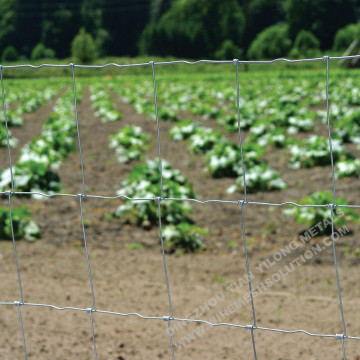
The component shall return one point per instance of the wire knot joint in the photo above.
(340, 336)
(331, 206)
(17, 303)
(89, 310)
(249, 327)
(326, 57)
(8, 193)
(236, 61)
(241, 202)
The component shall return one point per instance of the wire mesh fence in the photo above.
(243, 204)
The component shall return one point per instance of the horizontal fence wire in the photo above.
(243, 203)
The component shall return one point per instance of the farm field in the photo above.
(286, 157)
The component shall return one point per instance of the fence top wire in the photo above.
(186, 62)
(161, 198)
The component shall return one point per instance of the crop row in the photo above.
(34, 170)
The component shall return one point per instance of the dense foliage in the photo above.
(183, 28)
(271, 43)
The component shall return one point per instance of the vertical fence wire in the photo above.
(77, 128)
(329, 129)
(81, 196)
(248, 278)
(18, 305)
(236, 61)
(159, 211)
(157, 129)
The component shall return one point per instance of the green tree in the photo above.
(322, 17)
(194, 28)
(271, 43)
(306, 45)
(83, 47)
(346, 35)
(125, 22)
(59, 25)
(261, 14)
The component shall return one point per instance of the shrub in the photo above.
(42, 52)
(311, 216)
(345, 36)
(228, 51)
(83, 47)
(9, 54)
(273, 42)
(305, 45)
(23, 227)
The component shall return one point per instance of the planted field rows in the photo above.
(272, 146)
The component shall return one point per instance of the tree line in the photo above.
(86, 29)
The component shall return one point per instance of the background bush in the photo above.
(40, 51)
(9, 54)
(346, 35)
(273, 42)
(228, 51)
(84, 48)
(306, 45)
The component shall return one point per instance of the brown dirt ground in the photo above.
(54, 270)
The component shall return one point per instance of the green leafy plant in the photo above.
(204, 140)
(314, 151)
(349, 167)
(184, 129)
(129, 143)
(183, 237)
(3, 138)
(34, 170)
(179, 233)
(260, 177)
(311, 216)
(23, 227)
(103, 104)
(144, 182)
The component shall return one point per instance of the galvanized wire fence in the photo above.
(169, 318)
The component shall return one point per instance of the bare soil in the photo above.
(54, 270)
